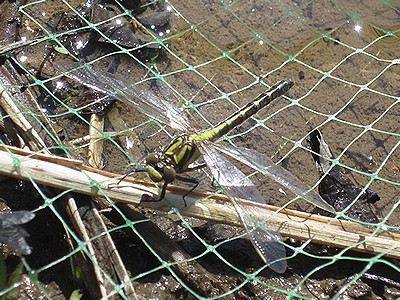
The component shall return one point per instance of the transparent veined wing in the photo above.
(114, 86)
(12, 234)
(237, 185)
(264, 165)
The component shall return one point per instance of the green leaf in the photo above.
(61, 50)
(76, 295)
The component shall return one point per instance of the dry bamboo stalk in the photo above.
(95, 149)
(16, 45)
(7, 103)
(104, 250)
(68, 174)
(99, 281)
(291, 223)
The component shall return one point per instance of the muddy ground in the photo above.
(343, 58)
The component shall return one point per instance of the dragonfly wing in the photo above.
(236, 185)
(141, 99)
(264, 165)
(15, 218)
(13, 235)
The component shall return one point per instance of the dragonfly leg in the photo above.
(130, 172)
(183, 179)
(162, 195)
(198, 167)
(214, 183)
(189, 180)
(164, 189)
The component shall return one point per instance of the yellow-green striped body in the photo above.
(183, 150)
(245, 112)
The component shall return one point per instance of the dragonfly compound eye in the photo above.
(169, 174)
(154, 174)
(152, 159)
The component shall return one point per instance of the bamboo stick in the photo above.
(73, 175)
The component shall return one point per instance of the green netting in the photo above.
(213, 57)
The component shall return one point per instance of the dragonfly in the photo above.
(184, 150)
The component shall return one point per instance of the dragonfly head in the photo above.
(158, 169)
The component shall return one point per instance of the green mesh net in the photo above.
(65, 147)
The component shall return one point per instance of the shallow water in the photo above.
(344, 60)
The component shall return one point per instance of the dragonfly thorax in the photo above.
(182, 152)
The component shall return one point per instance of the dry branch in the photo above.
(73, 175)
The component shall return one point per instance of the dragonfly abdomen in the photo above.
(245, 112)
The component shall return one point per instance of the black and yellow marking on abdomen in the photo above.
(245, 112)
(183, 151)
